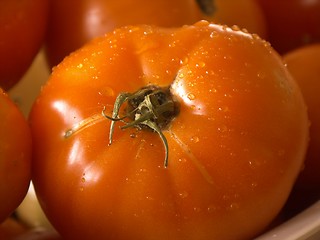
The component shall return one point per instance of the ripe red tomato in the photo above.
(15, 156)
(304, 65)
(219, 100)
(92, 18)
(291, 23)
(22, 30)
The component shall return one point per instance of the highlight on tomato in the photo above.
(291, 23)
(22, 31)
(15, 156)
(196, 132)
(91, 18)
(243, 13)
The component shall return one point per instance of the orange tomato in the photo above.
(213, 134)
(72, 23)
(304, 65)
(15, 156)
(243, 13)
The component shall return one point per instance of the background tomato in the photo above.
(73, 22)
(291, 23)
(304, 64)
(243, 13)
(22, 30)
(92, 18)
(15, 156)
(235, 147)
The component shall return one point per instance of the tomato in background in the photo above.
(304, 65)
(22, 31)
(243, 13)
(74, 22)
(234, 123)
(291, 23)
(15, 156)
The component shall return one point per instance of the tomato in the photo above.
(243, 13)
(213, 134)
(22, 31)
(15, 156)
(304, 65)
(291, 23)
(91, 18)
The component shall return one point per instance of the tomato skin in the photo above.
(91, 18)
(291, 23)
(304, 65)
(243, 13)
(15, 156)
(22, 31)
(235, 149)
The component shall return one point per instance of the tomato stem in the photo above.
(151, 107)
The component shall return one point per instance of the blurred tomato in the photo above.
(218, 101)
(10, 228)
(304, 65)
(291, 23)
(92, 18)
(15, 156)
(22, 30)
(74, 22)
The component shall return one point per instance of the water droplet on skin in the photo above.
(200, 64)
(80, 65)
(183, 194)
(191, 96)
(181, 75)
(83, 179)
(195, 139)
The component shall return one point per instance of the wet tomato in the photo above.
(22, 31)
(92, 18)
(196, 132)
(15, 156)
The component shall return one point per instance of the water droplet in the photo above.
(200, 64)
(191, 96)
(183, 194)
(195, 139)
(181, 75)
(197, 209)
(80, 65)
(83, 179)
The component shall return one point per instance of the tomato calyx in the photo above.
(150, 107)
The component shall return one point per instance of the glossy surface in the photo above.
(73, 22)
(235, 148)
(243, 13)
(15, 156)
(22, 31)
